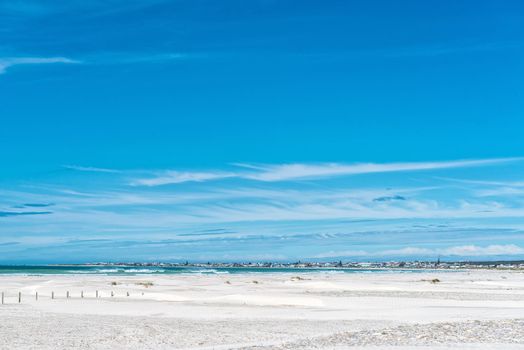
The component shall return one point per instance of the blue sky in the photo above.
(261, 130)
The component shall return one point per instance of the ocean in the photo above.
(111, 270)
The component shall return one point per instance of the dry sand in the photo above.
(465, 310)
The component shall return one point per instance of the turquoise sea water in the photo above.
(156, 270)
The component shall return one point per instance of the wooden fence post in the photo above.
(19, 297)
(36, 296)
(52, 295)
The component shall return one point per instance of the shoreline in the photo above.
(275, 269)
(517, 265)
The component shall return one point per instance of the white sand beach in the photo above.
(475, 309)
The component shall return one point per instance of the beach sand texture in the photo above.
(462, 310)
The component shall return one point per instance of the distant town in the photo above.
(519, 264)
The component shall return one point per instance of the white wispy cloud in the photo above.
(265, 208)
(458, 251)
(7, 62)
(91, 169)
(300, 171)
(500, 191)
(175, 207)
(307, 171)
(487, 188)
(473, 250)
(175, 177)
(350, 209)
(485, 182)
(106, 58)
(110, 58)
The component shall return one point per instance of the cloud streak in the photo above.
(453, 251)
(8, 62)
(135, 58)
(301, 171)
(381, 217)
(91, 169)
(176, 177)
(306, 171)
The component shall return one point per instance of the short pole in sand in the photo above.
(97, 294)
(2, 298)
(19, 297)
(67, 294)
(127, 293)
(112, 294)
(52, 295)
(81, 294)
(36, 296)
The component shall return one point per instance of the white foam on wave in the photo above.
(206, 272)
(143, 271)
(105, 271)
(332, 272)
